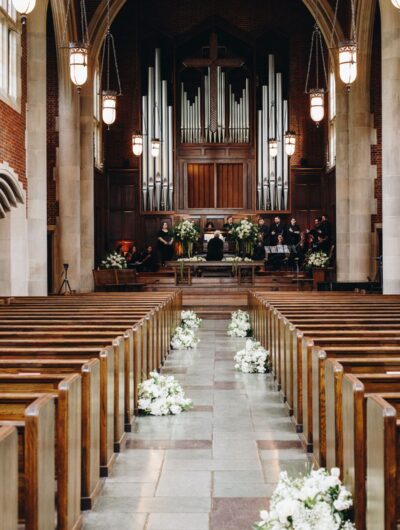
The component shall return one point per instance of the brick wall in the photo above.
(376, 109)
(13, 123)
(52, 114)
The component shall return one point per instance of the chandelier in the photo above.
(317, 92)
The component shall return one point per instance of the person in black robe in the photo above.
(323, 244)
(259, 248)
(279, 258)
(275, 230)
(215, 248)
(326, 227)
(293, 233)
(132, 257)
(228, 227)
(165, 243)
(302, 248)
(148, 260)
(263, 229)
(209, 226)
(317, 229)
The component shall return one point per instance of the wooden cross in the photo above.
(213, 62)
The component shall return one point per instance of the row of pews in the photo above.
(336, 361)
(69, 371)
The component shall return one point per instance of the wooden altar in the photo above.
(185, 270)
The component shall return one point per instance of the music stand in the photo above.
(65, 283)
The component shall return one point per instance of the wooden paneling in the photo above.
(230, 186)
(200, 179)
(307, 196)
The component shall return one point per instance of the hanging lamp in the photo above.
(137, 144)
(290, 143)
(24, 7)
(317, 92)
(347, 49)
(273, 147)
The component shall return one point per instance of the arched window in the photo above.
(97, 125)
(332, 121)
(9, 53)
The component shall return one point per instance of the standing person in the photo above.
(263, 229)
(326, 227)
(165, 242)
(293, 236)
(275, 230)
(259, 248)
(228, 227)
(317, 229)
(215, 248)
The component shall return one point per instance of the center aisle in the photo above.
(211, 468)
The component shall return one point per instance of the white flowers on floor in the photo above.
(317, 501)
(184, 336)
(252, 359)
(190, 320)
(239, 325)
(162, 395)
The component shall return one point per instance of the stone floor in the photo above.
(212, 468)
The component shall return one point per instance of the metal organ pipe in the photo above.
(285, 159)
(150, 132)
(279, 136)
(164, 145)
(145, 173)
(170, 160)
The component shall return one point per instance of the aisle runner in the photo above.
(211, 468)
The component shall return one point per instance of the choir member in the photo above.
(326, 226)
(263, 229)
(259, 248)
(323, 244)
(132, 257)
(165, 241)
(215, 248)
(228, 226)
(275, 230)
(317, 229)
(293, 236)
(277, 259)
(209, 226)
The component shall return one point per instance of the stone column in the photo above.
(390, 149)
(69, 191)
(87, 184)
(36, 166)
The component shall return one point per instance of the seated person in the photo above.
(148, 260)
(302, 248)
(215, 248)
(209, 226)
(228, 226)
(132, 257)
(259, 249)
(317, 230)
(323, 244)
(278, 258)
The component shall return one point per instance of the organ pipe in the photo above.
(157, 172)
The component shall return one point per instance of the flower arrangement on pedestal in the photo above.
(316, 501)
(113, 260)
(162, 395)
(239, 325)
(318, 260)
(253, 358)
(245, 234)
(187, 233)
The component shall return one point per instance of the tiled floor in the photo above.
(212, 468)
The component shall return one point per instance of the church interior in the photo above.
(204, 194)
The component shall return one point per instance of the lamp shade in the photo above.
(317, 110)
(78, 63)
(137, 144)
(155, 147)
(290, 143)
(273, 147)
(348, 62)
(396, 3)
(109, 106)
(24, 7)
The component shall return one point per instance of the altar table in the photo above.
(190, 268)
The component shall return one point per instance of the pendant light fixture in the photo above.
(317, 93)
(137, 144)
(273, 147)
(24, 7)
(109, 96)
(79, 50)
(347, 49)
(290, 143)
(396, 3)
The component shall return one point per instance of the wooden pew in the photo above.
(90, 412)
(33, 415)
(383, 457)
(67, 392)
(9, 470)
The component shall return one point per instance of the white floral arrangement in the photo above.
(317, 259)
(237, 259)
(162, 395)
(193, 259)
(245, 231)
(184, 338)
(252, 358)
(186, 231)
(239, 325)
(190, 320)
(113, 260)
(316, 501)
